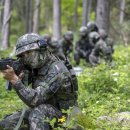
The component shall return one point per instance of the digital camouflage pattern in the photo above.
(35, 119)
(56, 48)
(66, 43)
(83, 47)
(67, 46)
(94, 37)
(51, 91)
(100, 49)
(110, 46)
(27, 42)
(92, 27)
(68, 36)
(83, 31)
(47, 38)
(109, 42)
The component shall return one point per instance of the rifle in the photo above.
(15, 63)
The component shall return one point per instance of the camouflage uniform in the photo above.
(83, 46)
(109, 43)
(52, 88)
(92, 27)
(99, 48)
(47, 38)
(56, 48)
(67, 43)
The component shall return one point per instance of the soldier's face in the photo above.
(30, 58)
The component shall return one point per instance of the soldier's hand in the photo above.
(10, 75)
(21, 75)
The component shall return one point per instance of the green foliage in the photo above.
(5, 53)
(9, 100)
(103, 91)
(68, 13)
(92, 16)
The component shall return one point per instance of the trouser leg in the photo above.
(9, 122)
(39, 115)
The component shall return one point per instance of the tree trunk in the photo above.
(85, 12)
(36, 16)
(1, 12)
(56, 19)
(6, 24)
(102, 14)
(76, 15)
(29, 16)
(122, 8)
(89, 7)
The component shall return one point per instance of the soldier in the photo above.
(109, 43)
(47, 38)
(54, 46)
(98, 50)
(53, 88)
(83, 47)
(56, 49)
(92, 27)
(67, 43)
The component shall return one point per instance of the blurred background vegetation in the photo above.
(103, 90)
(54, 17)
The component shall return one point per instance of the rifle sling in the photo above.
(20, 119)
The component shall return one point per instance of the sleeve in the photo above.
(71, 47)
(43, 91)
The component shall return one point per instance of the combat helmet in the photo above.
(91, 26)
(30, 41)
(47, 38)
(83, 31)
(103, 33)
(54, 42)
(68, 36)
(94, 37)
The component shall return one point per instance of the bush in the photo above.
(103, 91)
